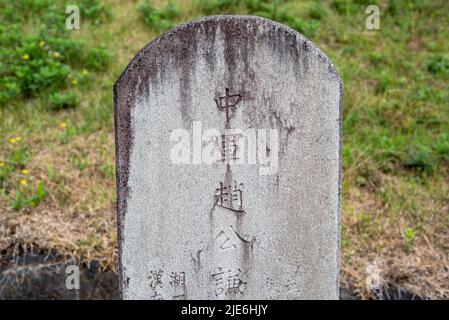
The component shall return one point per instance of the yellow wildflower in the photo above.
(14, 140)
(25, 56)
(25, 171)
(2, 164)
(23, 182)
(41, 44)
(63, 125)
(74, 82)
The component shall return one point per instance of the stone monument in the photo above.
(228, 136)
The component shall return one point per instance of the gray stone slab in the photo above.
(228, 135)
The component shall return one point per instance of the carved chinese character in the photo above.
(234, 282)
(156, 296)
(229, 147)
(218, 282)
(228, 103)
(229, 282)
(177, 279)
(224, 241)
(155, 278)
(229, 197)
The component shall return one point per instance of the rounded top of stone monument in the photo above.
(241, 26)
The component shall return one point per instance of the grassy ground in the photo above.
(57, 188)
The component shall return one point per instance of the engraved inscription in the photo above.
(177, 279)
(229, 282)
(156, 296)
(227, 274)
(228, 103)
(229, 197)
(175, 289)
(225, 241)
(155, 279)
(229, 147)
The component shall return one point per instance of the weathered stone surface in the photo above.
(275, 234)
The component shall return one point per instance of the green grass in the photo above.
(396, 106)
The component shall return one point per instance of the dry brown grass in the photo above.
(77, 218)
(374, 234)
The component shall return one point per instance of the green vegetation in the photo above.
(56, 118)
(38, 56)
(159, 19)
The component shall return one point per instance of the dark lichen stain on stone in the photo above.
(196, 260)
(186, 62)
(127, 281)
